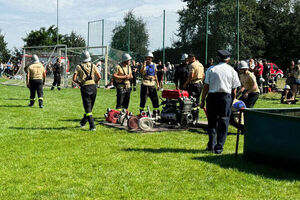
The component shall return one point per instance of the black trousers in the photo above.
(123, 97)
(57, 80)
(88, 94)
(218, 115)
(151, 92)
(250, 101)
(36, 86)
(195, 91)
(133, 80)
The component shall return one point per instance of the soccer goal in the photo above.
(47, 56)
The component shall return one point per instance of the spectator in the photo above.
(289, 74)
(249, 90)
(296, 74)
(287, 96)
(266, 76)
(1, 68)
(160, 74)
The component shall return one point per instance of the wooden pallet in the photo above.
(157, 128)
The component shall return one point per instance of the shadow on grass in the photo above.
(230, 162)
(13, 106)
(165, 150)
(204, 131)
(42, 128)
(97, 119)
(15, 99)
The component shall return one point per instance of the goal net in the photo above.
(47, 56)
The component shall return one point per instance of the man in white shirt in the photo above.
(220, 86)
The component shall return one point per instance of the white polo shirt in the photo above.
(222, 78)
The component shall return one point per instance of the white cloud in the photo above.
(22, 16)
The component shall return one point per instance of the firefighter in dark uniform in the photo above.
(134, 74)
(148, 73)
(194, 83)
(221, 81)
(87, 76)
(35, 80)
(182, 72)
(57, 69)
(122, 77)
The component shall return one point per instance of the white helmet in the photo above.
(35, 58)
(287, 87)
(243, 65)
(85, 56)
(261, 80)
(149, 54)
(126, 57)
(184, 56)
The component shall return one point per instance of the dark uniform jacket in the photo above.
(57, 69)
(181, 74)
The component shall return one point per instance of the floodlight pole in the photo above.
(88, 35)
(206, 35)
(164, 35)
(102, 34)
(238, 31)
(57, 42)
(128, 43)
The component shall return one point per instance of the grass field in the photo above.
(44, 155)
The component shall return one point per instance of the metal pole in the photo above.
(102, 34)
(88, 36)
(128, 44)
(238, 31)
(106, 65)
(164, 32)
(206, 35)
(57, 42)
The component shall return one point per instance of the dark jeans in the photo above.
(218, 115)
(88, 94)
(123, 97)
(36, 86)
(57, 80)
(250, 101)
(151, 92)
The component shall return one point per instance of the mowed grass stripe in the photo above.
(44, 155)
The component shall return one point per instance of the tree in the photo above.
(222, 28)
(46, 37)
(42, 37)
(73, 40)
(4, 52)
(280, 23)
(139, 37)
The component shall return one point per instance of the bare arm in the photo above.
(27, 79)
(75, 79)
(204, 94)
(188, 80)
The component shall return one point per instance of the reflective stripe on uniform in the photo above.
(40, 98)
(89, 114)
(32, 99)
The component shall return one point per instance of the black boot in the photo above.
(52, 88)
(195, 114)
(41, 103)
(83, 121)
(91, 122)
(31, 103)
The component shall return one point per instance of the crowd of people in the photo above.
(220, 84)
(9, 69)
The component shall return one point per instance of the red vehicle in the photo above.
(275, 71)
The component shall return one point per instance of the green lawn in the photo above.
(44, 155)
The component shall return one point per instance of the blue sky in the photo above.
(18, 17)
